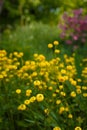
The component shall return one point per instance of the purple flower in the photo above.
(74, 27)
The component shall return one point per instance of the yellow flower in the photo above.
(69, 67)
(58, 102)
(66, 109)
(35, 55)
(57, 90)
(18, 91)
(46, 111)
(73, 94)
(32, 99)
(27, 102)
(34, 74)
(78, 128)
(1, 76)
(28, 92)
(50, 45)
(54, 94)
(57, 51)
(41, 57)
(70, 116)
(61, 79)
(50, 88)
(60, 86)
(56, 43)
(56, 128)
(21, 54)
(84, 87)
(84, 94)
(40, 97)
(61, 110)
(22, 107)
(78, 91)
(37, 83)
(63, 71)
(73, 82)
(79, 80)
(15, 53)
(63, 93)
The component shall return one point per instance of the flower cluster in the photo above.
(74, 28)
(43, 92)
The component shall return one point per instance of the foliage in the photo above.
(42, 94)
(48, 11)
(29, 39)
(74, 28)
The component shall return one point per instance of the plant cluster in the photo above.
(42, 94)
(74, 28)
(29, 39)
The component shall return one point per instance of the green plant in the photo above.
(29, 39)
(42, 94)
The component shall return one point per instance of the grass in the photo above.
(29, 39)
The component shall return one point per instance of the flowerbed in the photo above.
(42, 94)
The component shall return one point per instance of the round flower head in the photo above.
(78, 128)
(18, 91)
(73, 94)
(55, 42)
(57, 51)
(56, 128)
(40, 97)
(50, 45)
(22, 107)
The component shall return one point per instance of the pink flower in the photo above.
(75, 38)
(69, 42)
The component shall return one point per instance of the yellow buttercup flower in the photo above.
(78, 128)
(58, 102)
(63, 71)
(50, 45)
(78, 91)
(84, 87)
(69, 67)
(61, 110)
(28, 92)
(57, 51)
(37, 82)
(60, 86)
(39, 97)
(61, 78)
(32, 99)
(50, 88)
(62, 93)
(1, 76)
(54, 94)
(18, 91)
(84, 94)
(22, 107)
(56, 43)
(56, 128)
(27, 102)
(70, 116)
(73, 94)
